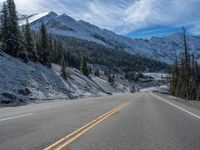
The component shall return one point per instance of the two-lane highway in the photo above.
(141, 121)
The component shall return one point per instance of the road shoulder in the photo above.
(191, 107)
(191, 103)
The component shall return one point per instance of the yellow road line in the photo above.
(76, 131)
(87, 129)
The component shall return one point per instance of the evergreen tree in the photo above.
(22, 53)
(55, 51)
(97, 72)
(175, 78)
(111, 80)
(60, 52)
(105, 72)
(50, 47)
(11, 36)
(29, 44)
(90, 70)
(63, 68)
(84, 67)
(37, 46)
(126, 75)
(44, 52)
(4, 28)
(186, 65)
(13, 43)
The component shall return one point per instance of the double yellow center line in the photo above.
(62, 143)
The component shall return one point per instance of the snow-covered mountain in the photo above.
(167, 48)
(163, 49)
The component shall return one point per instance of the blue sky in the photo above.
(134, 18)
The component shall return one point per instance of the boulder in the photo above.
(9, 95)
(24, 92)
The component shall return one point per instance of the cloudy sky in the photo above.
(135, 18)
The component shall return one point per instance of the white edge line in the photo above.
(15, 117)
(164, 100)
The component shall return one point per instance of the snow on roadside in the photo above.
(160, 83)
(161, 89)
(34, 81)
(157, 76)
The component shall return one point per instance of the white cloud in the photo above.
(146, 13)
(123, 16)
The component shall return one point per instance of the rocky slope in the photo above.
(24, 83)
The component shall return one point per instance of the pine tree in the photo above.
(175, 77)
(89, 70)
(186, 78)
(4, 28)
(84, 67)
(60, 53)
(50, 48)
(111, 80)
(44, 52)
(126, 75)
(13, 29)
(54, 51)
(105, 72)
(29, 45)
(63, 68)
(37, 46)
(22, 53)
(97, 72)
(10, 28)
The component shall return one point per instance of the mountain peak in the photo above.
(52, 13)
(66, 17)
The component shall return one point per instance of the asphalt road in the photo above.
(141, 121)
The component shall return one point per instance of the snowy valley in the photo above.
(99, 75)
(23, 83)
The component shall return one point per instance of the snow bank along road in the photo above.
(120, 122)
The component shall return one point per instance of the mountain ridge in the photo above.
(164, 49)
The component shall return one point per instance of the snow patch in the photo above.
(33, 18)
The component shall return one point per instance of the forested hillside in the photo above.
(185, 73)
(112, 58)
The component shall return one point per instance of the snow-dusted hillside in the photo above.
(21, 82)
(167, 48)
(163, 49)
